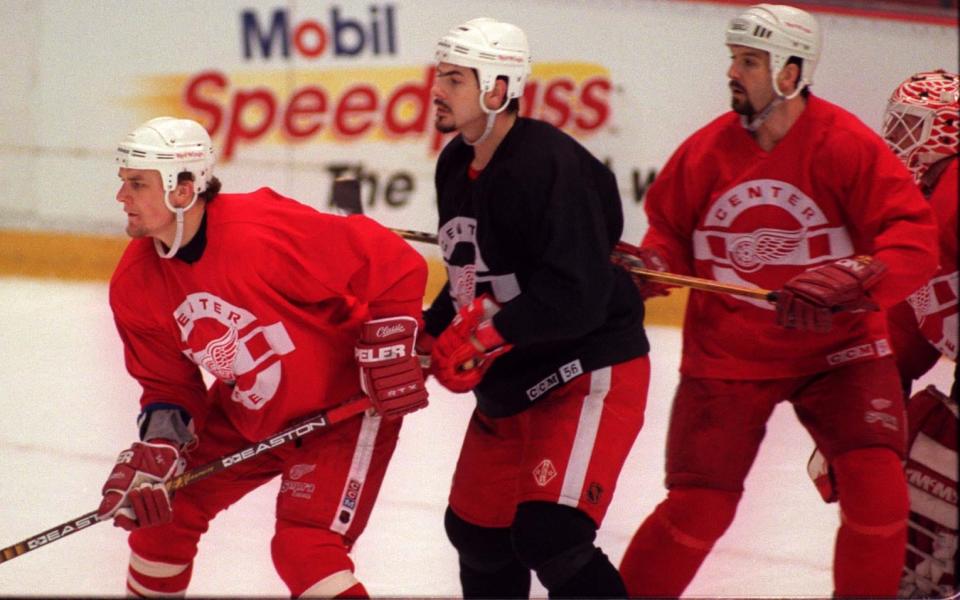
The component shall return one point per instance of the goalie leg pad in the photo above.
(931, 469)
(556, 541)
(311, 558)
(874, 505)
(489, 567)
(671, 544)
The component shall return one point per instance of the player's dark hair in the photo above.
(796, 60)
(207, 195)
(514, 105)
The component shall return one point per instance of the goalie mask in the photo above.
(493, 49)
(170, 146)
(921, 122)
(782, 32)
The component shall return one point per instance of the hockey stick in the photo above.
(697, 283)
(303, 428)
(346, 196)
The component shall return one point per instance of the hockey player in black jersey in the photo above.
(537, 322)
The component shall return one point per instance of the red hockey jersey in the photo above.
(725, 209)
(271, 307)
(935, 304)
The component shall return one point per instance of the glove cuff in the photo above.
(388, 329)
(865, 268)
(159, 441)
(386, 341)
(635, 256)
(170, 423)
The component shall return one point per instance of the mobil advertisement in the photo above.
(296, 94)
(327, 85)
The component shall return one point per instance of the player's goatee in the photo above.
(442, 127)
(742, 107)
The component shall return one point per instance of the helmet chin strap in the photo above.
(753, 124)
(178, 237)
(491, 118)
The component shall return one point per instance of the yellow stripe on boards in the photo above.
(59, 255)
(81, 257)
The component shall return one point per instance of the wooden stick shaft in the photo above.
(303, 428)
(697, 283)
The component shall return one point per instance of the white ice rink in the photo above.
(69, 406)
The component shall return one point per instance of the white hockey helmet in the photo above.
(494, 49)
(170, 146)
(782, 31)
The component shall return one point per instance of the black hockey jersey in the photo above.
(535, 230)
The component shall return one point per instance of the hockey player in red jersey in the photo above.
(921, 127)
(290, 311)
(536, 322)
(792, 193)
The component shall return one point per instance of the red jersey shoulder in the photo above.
(138, 258)
(706, 149)
(842, 131)
(843, 146)
(944, 199)
(721, 129)
(267, 216)
(944, 202)
(260, 207)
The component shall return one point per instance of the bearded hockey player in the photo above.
(792, 193)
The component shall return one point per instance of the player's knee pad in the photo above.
(174, 542)
(161, 558)
(311, 560)
(554, 540)
(697, 517)
(151, 578)
(873, 491)
(484, 549)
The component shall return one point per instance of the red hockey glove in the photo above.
(627, 255)
(822, 475)
(466, 349)
(390, 373)
(809, 300)
(135, 494)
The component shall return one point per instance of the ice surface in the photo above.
(69, 406)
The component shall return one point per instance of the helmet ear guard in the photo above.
(781, 31)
